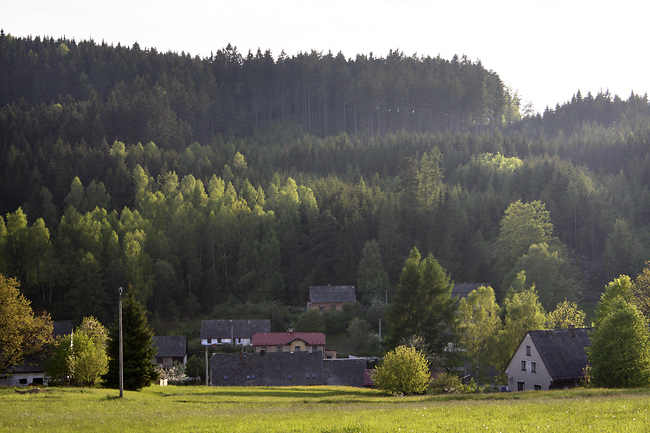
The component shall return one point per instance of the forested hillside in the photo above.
(250, 177)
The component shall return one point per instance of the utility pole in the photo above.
(121, 352)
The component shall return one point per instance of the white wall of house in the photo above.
(238, 341)
(23, 379)
(526, 370)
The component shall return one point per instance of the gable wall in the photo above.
(515, 374)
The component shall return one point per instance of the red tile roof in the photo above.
(284, 338)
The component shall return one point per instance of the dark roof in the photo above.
(267, 369)
(284, 338)
(463, 289)
(344, 372)
(170, 346)
(61, 327)
(563, 351)
(240, 328)
(323, 294)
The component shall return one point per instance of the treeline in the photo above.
(136, 95)
(218, 199)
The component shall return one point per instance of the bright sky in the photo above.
(544, 49)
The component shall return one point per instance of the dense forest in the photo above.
(247, 177)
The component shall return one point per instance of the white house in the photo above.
(549, 359)
(234, 332)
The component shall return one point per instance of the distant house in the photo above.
(289, 342)
(463, 289)
(31, 371)
(330, 297)
(550, 359)
(284, 369)
(234, 332)
(170, 349)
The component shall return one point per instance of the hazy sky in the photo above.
(544, 49)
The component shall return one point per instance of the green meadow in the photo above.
(320, 409)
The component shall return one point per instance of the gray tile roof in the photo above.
(61, 327)
(170, 346)
(329, 294)
(344, 372)
(463, 289)
(563, 351)
(240, 328)
(267, 369)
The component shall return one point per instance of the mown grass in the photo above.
(320, 409)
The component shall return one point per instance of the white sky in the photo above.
(544, 49)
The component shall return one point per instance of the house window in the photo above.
(307, 376)
(278, 349)
(521, 386)
(538, 387)
(22, 381)
(263, 349)
(527, 350)
(296, 349)
(225, 378)
(290, 376)
(321, 307)
(209, 340)
(313, 376)
(533, 367)
(333, 307)
(523, 365)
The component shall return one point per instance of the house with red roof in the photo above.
(289, 342)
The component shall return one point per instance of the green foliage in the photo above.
(522, 225)
(402, 371)
(138, 352)
(79, 358)
(449, 383)
(523, 312)
(619, 289)
(423, 305)
(566, 314)
(619, 354)
(623, 251)
(310, 321)
(195, 367)
(479, 324)
(22, 333)
(361, 340)
(641, 291)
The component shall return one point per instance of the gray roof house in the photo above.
(170, 349)
(549, 359)
(236, 332)
(330, 297)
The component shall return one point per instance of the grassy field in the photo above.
(320, 409)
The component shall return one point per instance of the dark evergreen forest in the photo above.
(248, 177)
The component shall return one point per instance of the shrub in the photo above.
(402, 371)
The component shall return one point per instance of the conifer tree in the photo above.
(137, 347)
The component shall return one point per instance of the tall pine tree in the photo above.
(137, 347)
(423, 305)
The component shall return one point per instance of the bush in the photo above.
(403, 371)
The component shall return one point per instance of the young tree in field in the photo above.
(402, 371)
(619, 354)
(22, 334)
(77, 359)
(478, 325)
(137, 345)
(566, 314)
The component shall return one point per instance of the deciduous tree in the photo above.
(402, 371)
(22, 334)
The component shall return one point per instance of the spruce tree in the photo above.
(138, 349)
